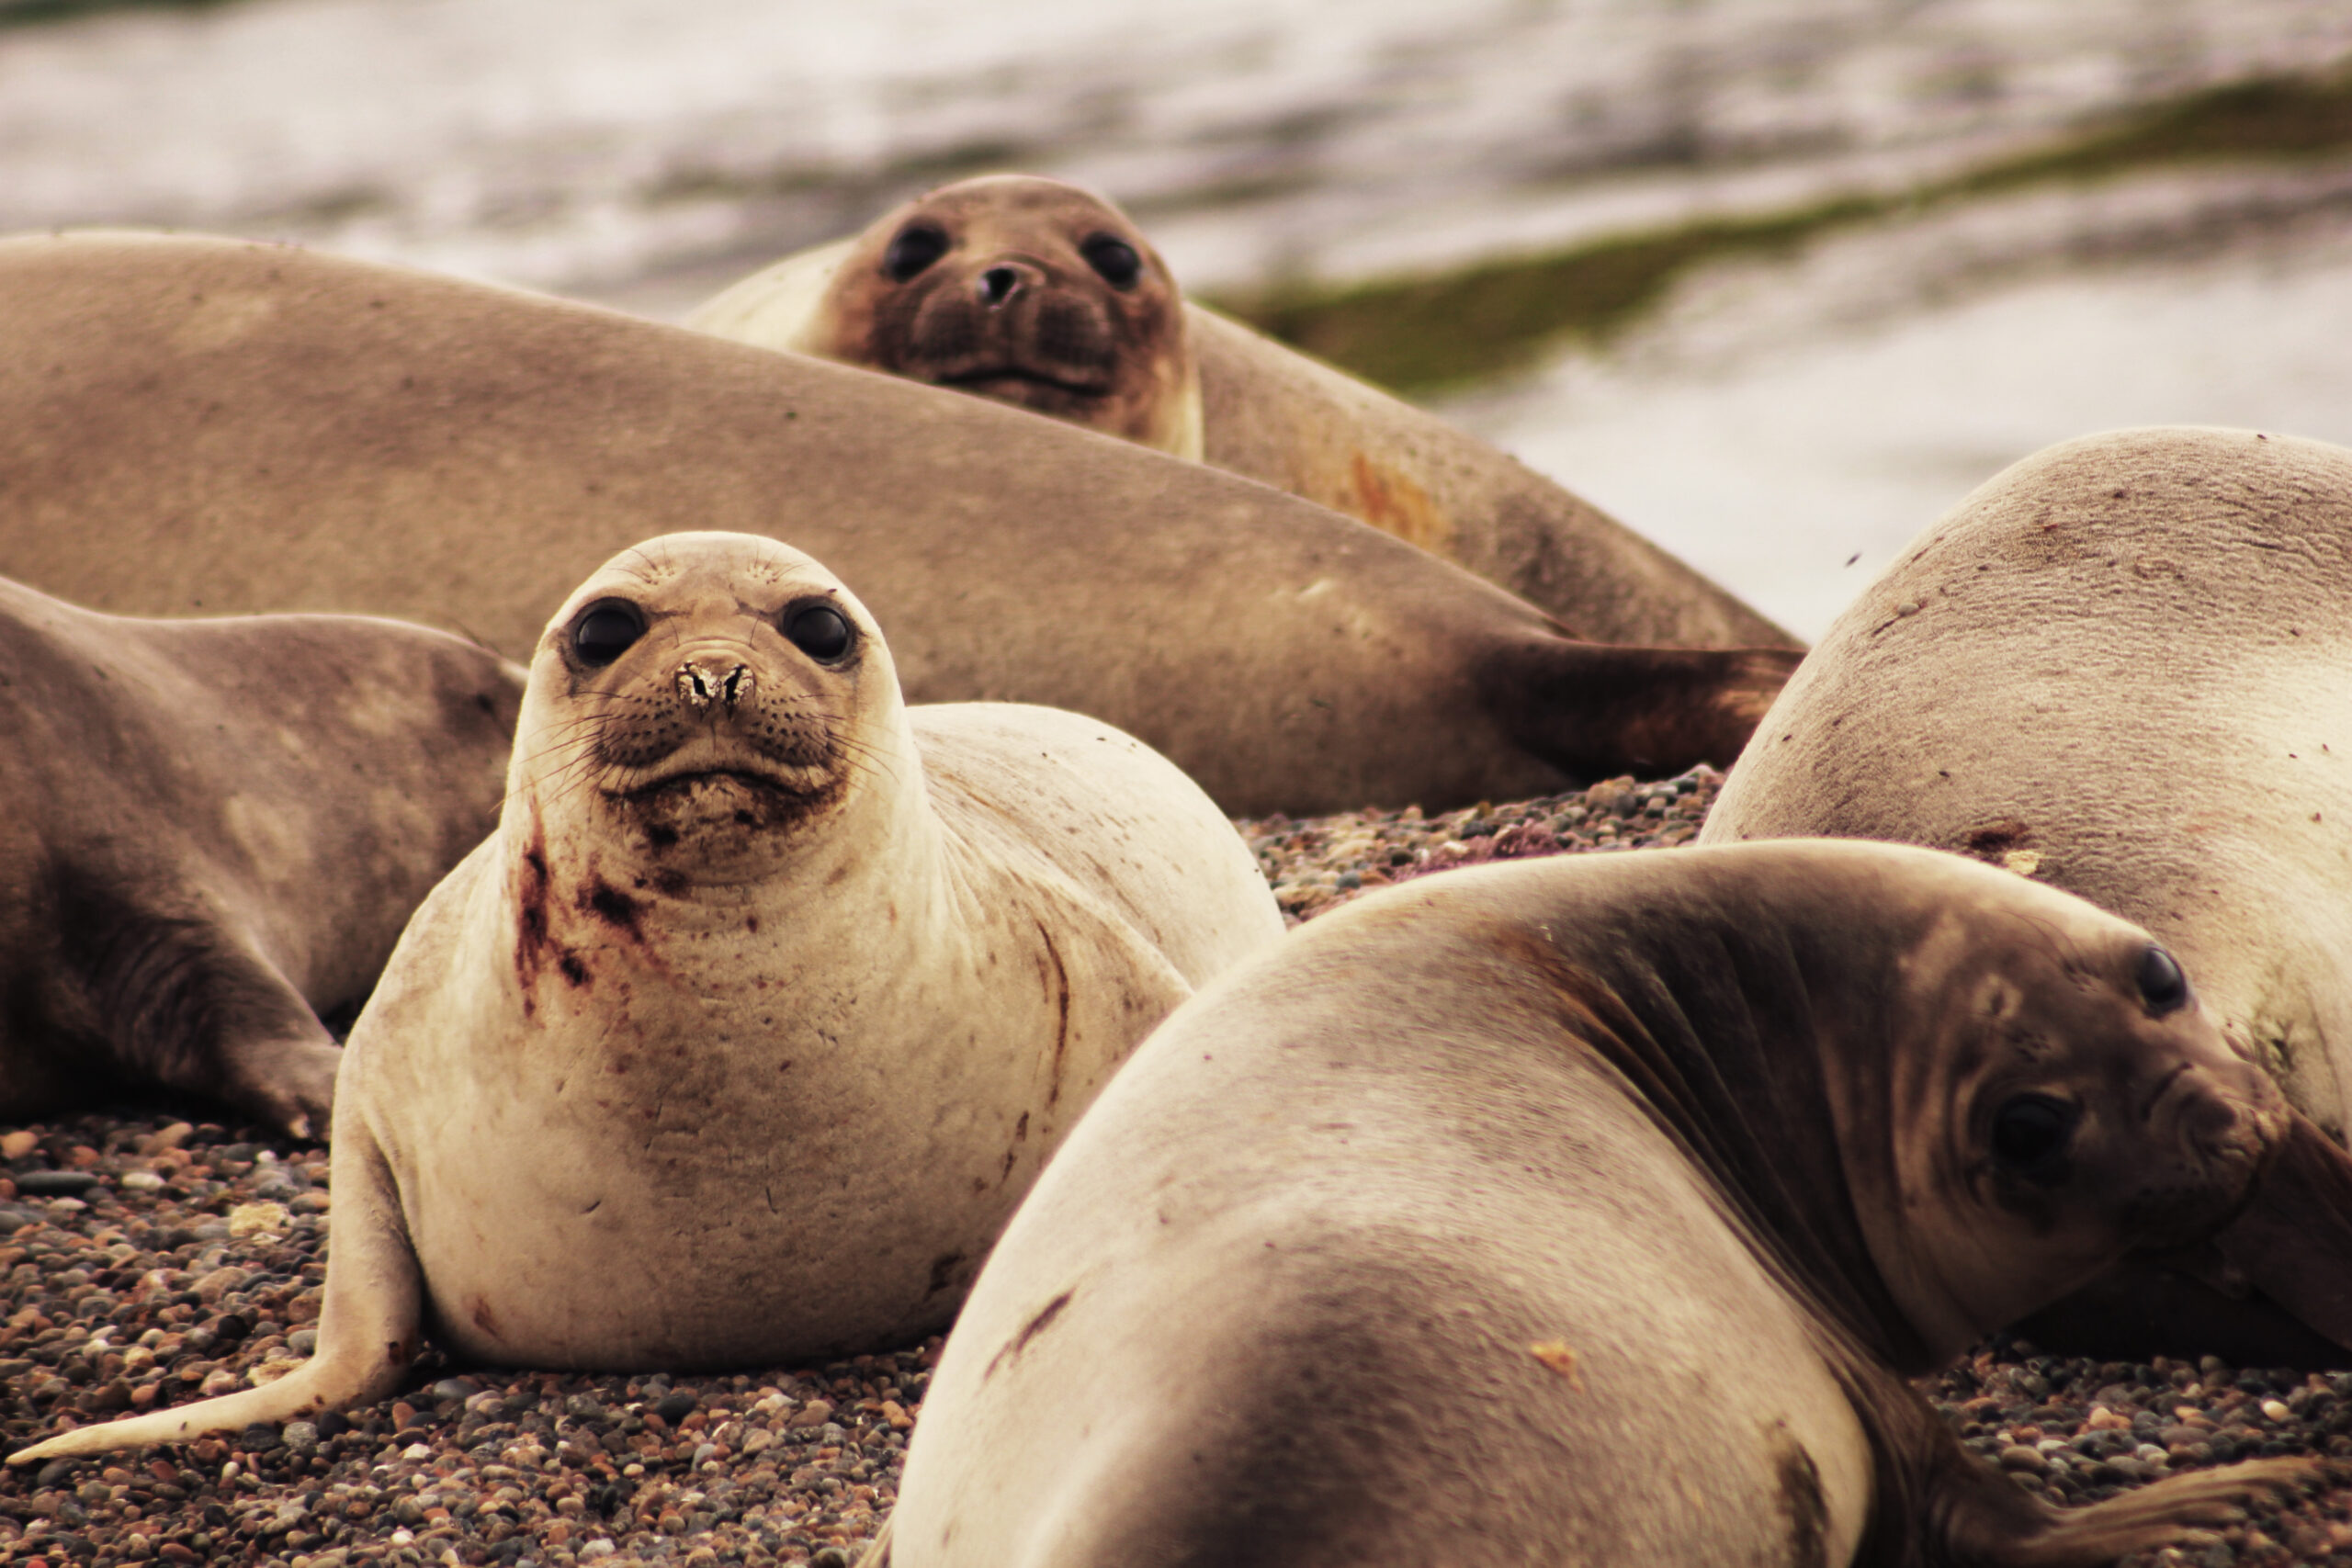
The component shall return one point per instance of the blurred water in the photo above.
(597, 143)
(1788, 428)
(1774, 422)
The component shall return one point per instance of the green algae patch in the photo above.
(2272, 118)
(1427, 334)
(25, 12)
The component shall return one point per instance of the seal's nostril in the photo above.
(699, 685)
(999, 284)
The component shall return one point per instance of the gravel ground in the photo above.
(148, 1259)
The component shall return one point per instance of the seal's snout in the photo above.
(703, 682)
(998, 286)
(2226, 1129)
(2229, 1133)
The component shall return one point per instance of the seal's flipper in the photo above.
(2147, 1516)
(2273, 1290)
(1595, 709)
(1977, 1516)
(2293, 1243)
(367, 1326)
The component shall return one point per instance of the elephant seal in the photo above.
(1045, 296)
(1590, 1210)
(2120, 666)
(741, 1038)
(214, 831)
(205, 423)
(1030, 292)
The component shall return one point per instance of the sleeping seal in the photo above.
(739, 1039)
(201, 423)
(2120, 665)
(211, 832)
(1045, 296)
(1591, 1210)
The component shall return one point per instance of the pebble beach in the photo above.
(153, 1260)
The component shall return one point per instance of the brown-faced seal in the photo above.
(1046, 296)
(1591, 1210)
(211, 832)
(740, 1039)
(200, 423)
(2120, 667)
(1030, 292)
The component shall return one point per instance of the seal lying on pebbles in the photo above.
(188, 421)
(741, 1038)
(2118, 666)
(214, 832)
(1591, 1210)
(1047, 297)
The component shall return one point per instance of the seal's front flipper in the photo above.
(2272, 1290)
(2293, 1242)
(367, 1326)
(1594, 709)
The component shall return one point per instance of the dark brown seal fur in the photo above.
(195, 424)
(1032, 292)
(212, 831)
(1589, 1211)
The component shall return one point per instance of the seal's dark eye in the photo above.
(820, 631)
(2030, 1135)
(2161, 985)
(604, 630)
(1114, 258)
(913, 248)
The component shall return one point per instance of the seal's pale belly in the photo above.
(718, 1169)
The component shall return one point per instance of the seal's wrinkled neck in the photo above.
(1708, 1011)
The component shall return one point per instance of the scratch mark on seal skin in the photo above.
(942, 1269)
(485, 1319)
(1061, 1025)
(1030, 1330)
(1802, 1502)
(615, 907)
(531, 937)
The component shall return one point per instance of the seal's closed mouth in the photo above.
(691, 806)
(703, 779)
(995, 376)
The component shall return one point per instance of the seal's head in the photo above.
(706, 698)
(2067, 1100)
(1027, 290)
